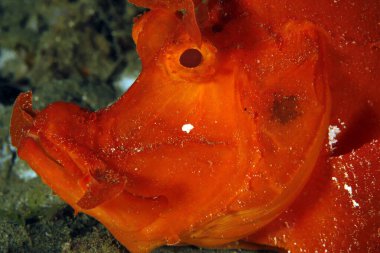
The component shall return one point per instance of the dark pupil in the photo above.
(191, 58)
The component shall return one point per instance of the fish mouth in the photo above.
(54, 166)
(38, 150)
(25, 137)
(23, 131)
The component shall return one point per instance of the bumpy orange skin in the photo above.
(274, 76)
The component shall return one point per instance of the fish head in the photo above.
(215, 134)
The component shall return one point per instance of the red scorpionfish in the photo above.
(252, 120)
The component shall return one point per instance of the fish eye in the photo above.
(190, 62)
(191, 58)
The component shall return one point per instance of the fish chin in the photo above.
(50, 171)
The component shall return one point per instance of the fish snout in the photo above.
(22, 118)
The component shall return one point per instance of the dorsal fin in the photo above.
(185, 6)
(98, 192)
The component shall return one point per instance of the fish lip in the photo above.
(55, 157)
(23, 129)
(22, 118)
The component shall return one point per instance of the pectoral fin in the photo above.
(97, 193)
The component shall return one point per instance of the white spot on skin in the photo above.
(333, 132)
(342, 123)
(187, 128)
(336, 181)
(355, 204)
(349, 190)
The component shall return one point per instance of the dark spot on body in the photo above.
(217, 28)
(285, 108)
(181, 13)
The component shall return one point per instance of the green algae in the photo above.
(13, 237)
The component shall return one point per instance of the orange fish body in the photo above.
(224, 133)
